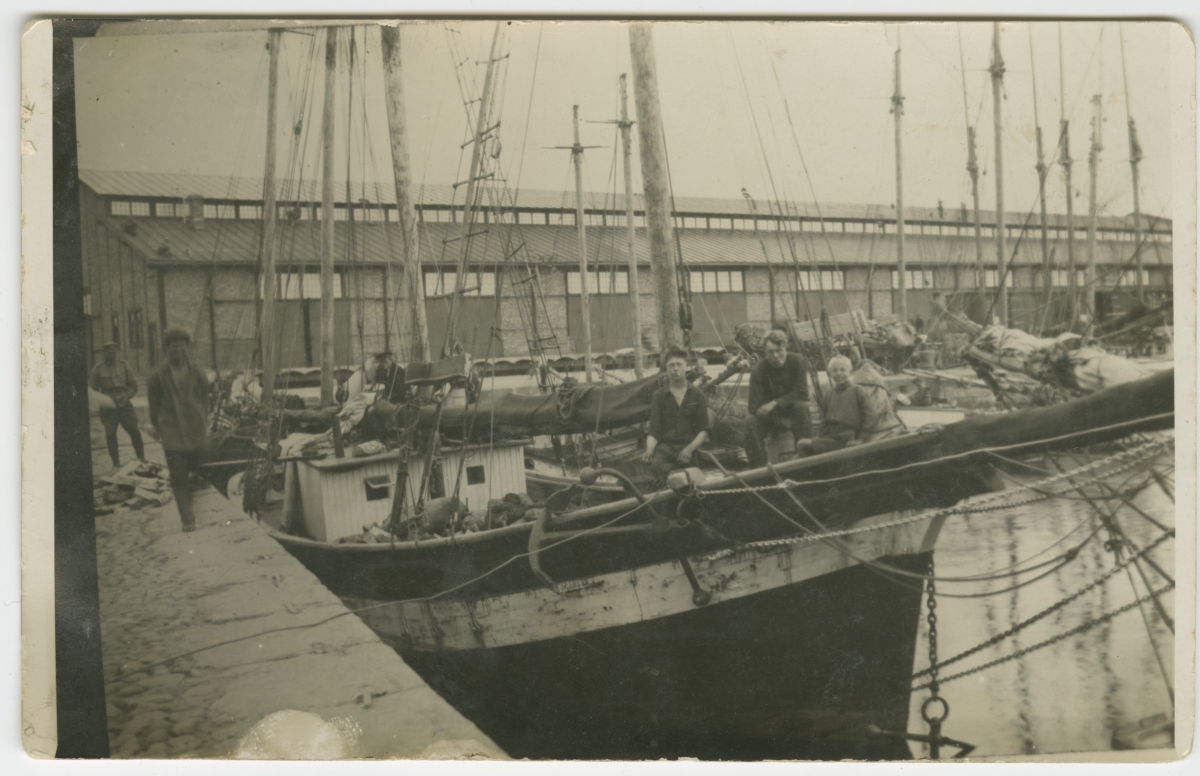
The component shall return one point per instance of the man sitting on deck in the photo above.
(778, 397)
(679, 421)
(853, 413)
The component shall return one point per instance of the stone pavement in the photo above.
(167, 599)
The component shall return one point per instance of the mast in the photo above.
(973, 171)
(412, 326)
(634, 301)
(897, 112)
(1065, 161)
(1093, 218)
(656, 185)
(270, 279)
(481, 128)
(1135, 156)
(1041, 171)
(1001, 248)
(327, 317)
(584, 301)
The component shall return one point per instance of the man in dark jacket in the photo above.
(778, 397)
(113, 378)
(679, 421)
(178, 394)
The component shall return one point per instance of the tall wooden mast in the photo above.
(973, 171)
(1093, 216)
(1065, 161)
(270, 278)
(634, 300)
(997, 69)
(897, 112)
(481, 129)
(1135, 156)
(584, 292)
(656, 185)
(327, 316)
(413, 329)
(1041, 168)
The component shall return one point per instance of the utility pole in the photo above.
(634, 300)
(413, 328)
(656, 185)
(973, 171)
(1001, 246)
(1041, 168)
(584, 300)
(897, 112)
(1135, 156)
(481, 129)
(1065, 161)
(327, 317)
(270, 278)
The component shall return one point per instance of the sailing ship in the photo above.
(761, 614)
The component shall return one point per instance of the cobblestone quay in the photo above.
(190, 664)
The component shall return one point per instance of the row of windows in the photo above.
(381, 213)
(475, 284)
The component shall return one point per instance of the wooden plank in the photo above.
(626, 597)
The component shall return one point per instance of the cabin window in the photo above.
(600, 282)
(712, 282)
(825, 280)
(476, 284)
(475, 475)
(914, 279)
(378, 487)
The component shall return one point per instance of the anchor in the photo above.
(935, 739)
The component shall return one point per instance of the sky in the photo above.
(785, 110)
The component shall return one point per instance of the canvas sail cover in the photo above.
(573, 409)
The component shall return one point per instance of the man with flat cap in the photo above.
(178, 394)
(113, 378)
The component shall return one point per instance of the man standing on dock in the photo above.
(778, 397)
(178, 394)
(113, 378)
(679, 421)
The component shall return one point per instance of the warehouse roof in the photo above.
(178, 186)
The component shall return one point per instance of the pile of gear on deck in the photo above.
(135, 485)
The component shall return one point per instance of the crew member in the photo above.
(778, 397)
(679, 421)
(390, 376)
(178, 394)
(853, 413)
(113, 378)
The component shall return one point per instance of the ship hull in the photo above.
(797, 672)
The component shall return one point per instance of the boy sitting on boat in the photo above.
(679, 421)
(855, 411)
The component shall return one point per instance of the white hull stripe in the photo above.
(627, 597)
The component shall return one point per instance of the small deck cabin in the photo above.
(331, 498)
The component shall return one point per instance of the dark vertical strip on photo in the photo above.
(79, 678)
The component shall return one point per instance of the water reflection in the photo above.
(1076, 693)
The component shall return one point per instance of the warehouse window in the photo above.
(600, 282)
(716, 281)
(220, 211)
(119, 207)
(135, 329)
(250, 212)
(919, 278)
(825, 280)
(991, 279)
(1129, 278)
(169, 210)
(476, 284)
(306, 285)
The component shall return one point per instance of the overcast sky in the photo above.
(196, 103)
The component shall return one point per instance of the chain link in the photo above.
(1086, 626)
(1048, 610)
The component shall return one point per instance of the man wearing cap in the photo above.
(391, 378)
(113, 378)
(178, 394)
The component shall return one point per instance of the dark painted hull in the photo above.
(793, 673)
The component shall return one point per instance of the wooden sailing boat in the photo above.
(770, 614)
